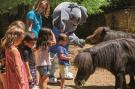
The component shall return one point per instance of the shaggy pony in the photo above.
(117, 56)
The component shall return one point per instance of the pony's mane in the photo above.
(105, 34)
(106, 52)
(110, 35)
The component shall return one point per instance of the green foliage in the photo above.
(93, 6)
(10, 5)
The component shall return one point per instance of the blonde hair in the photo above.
(10, 36)
(47, 10)
(17, 23)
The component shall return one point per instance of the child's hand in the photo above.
(49, 43)
(22, 82)
(70, 58)
(30, 78)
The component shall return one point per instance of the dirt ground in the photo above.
(101, 79)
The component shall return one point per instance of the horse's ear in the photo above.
(103, 31)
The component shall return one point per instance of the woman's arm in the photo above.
(29, 24)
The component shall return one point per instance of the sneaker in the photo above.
(52, 80)
(35, 87)
(69, 76)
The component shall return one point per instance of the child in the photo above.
(15, 69)
(28, 58)
(21, 25)
(63, 57)
(2, 69)
(45, 39)
(17, 23)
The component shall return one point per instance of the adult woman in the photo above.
(34, 16)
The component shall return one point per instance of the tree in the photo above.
(10, 5)
(93, 6)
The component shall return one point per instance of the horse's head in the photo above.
(85, 67)
(98, 35)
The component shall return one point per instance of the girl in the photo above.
(34, 18)
(15, 69)
(21, 25)
(45, 39)
(17, 23)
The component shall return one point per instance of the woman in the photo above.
(34, 17)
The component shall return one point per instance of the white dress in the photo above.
(42, 57)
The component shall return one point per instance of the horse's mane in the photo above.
(105, 53)
(111, 34)
(105, 33)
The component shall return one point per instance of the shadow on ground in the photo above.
(92, 87)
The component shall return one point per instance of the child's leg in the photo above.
(1, 84)
(52, 78)
(43, 71)
(37, 77)
(62, 74)
(62, 83)
(43, 82)
(3, 79)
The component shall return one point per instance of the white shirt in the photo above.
(42, 57)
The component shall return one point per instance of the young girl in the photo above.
(2, 69)
(46, 39)
(21, 25)
(15, 69)
(17, 23)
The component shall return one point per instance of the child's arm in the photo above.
(28, 71)
(14, 55)
(62, 56)
(25, 57)
(53, 41)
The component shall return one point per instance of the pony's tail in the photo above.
(84, 61)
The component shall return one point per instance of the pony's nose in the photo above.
(79, 87)
(77, 83)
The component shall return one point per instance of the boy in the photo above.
(28, 58)
(63, 57)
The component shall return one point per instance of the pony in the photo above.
(105, 33)
(117, 56)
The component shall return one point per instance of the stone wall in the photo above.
(122, 19)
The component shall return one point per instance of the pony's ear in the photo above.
(103, 31)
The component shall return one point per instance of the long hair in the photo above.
(43, 37)
(47, 10)
(10, 36)
(17, 23)
(105, 33)
(111, 55)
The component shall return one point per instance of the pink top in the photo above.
(11, 73)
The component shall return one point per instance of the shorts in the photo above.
(43, 70)
(64, 70)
